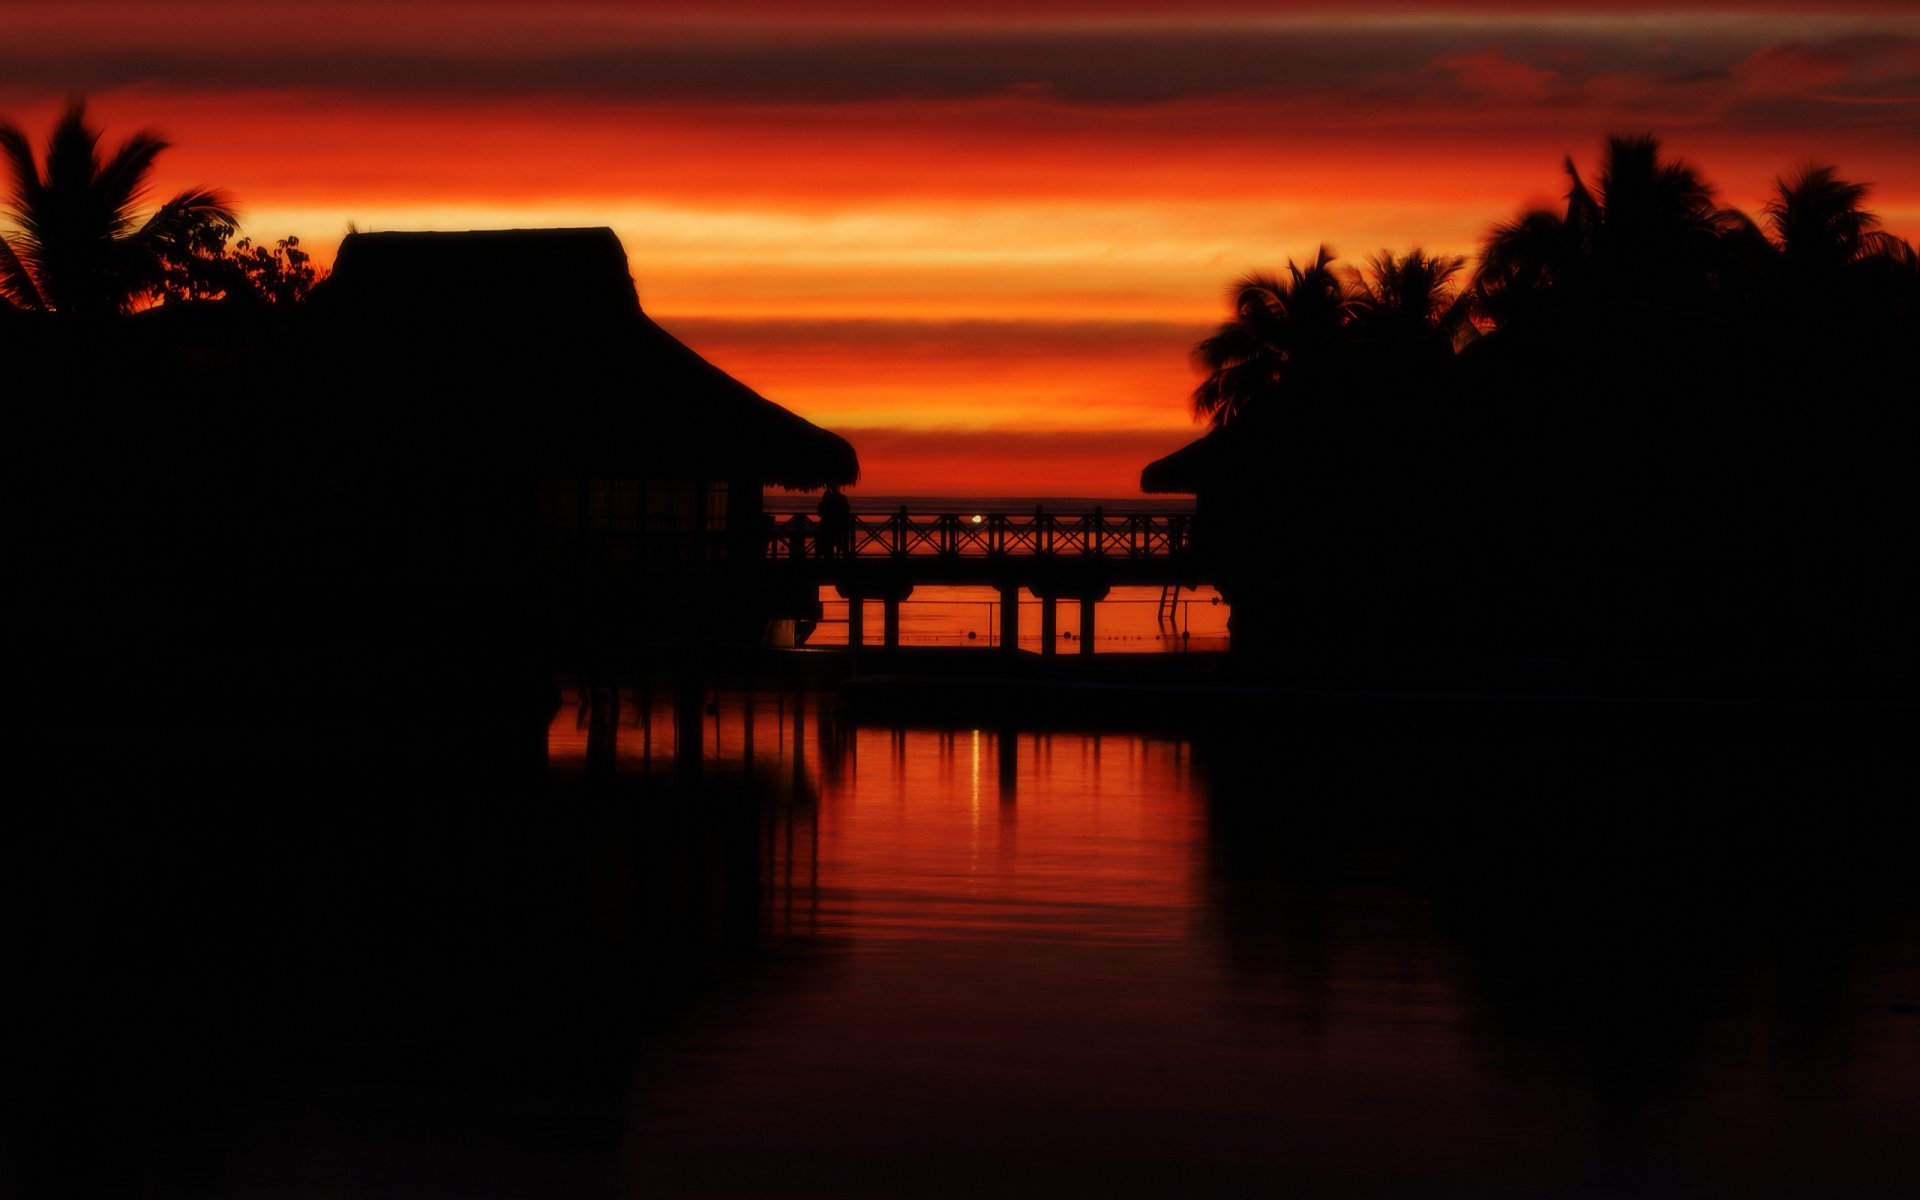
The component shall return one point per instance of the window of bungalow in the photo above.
(713, 546)
(612, 516)
(613, 506)
(683, 519)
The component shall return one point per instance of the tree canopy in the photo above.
(1645, 255)
(82, 243)
(1649, 434)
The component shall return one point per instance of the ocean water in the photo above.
(1663, 952)
(1328, 959)
(781, 503)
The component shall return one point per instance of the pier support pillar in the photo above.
(603, 726)
(1010, 618)
(890, 622)
(689, 717)
(890, 589)
(856, 620)
(1071, 581)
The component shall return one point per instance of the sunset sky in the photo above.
(977, 239)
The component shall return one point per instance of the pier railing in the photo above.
(1133, 537)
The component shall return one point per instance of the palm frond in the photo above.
(1815, 213)
(1527, 252)
(1255, 290)
(193, 209)
(1879, 244)
(1733, 223)
(26, 184)
(17, 284)
(1582, 209)
(1233, 345)
(79, 243)
(121, 181)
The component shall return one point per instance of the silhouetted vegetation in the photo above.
(1651, 440)
(79, 245)
(207, 264)
(292, 581)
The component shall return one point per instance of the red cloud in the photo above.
(1489, 74)
(1884, 69)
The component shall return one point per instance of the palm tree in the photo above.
(1406, 307)
(1649, 212)
(1835, 269)
(14, 295)
(1282, 337)
(78, 245)
(1522, 264)
(1648, 236)
(1816, 219)
(1895, 274)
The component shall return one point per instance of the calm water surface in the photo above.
(1308, 962)
(1304, 954)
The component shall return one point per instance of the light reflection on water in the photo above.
(1308, 953)
(1030, 964)
(952, 834)
(941, 843)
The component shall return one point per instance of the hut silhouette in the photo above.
(636, 468)
(469, 463)
(1226, 478)
(1191, 470)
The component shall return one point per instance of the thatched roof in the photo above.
(542, 274)
(546, 322)
(1187, 468)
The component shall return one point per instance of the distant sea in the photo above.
(784, 503)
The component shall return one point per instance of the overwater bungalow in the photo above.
(470, 461)
(643, 466)
(1191, 470)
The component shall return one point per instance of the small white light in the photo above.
(977, 518)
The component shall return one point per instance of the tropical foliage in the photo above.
(79, 243)
(1646, 429)
(1304, 331)
(1283, 331)
(208, 264)
(1645, 252)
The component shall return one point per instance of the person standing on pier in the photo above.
(836, 524)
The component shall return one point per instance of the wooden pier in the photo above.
(1077, 557)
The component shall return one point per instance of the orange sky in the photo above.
(977, 240)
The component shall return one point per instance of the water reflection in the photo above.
(1677, 945)
(1299, 955)
(1331, 962)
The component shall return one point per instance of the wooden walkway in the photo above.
(1078, 557)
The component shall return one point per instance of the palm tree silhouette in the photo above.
(1648, 235)
(1283, 336)
(1406, 309)
(78, 245)
(1649, 212)
(1816, 219)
